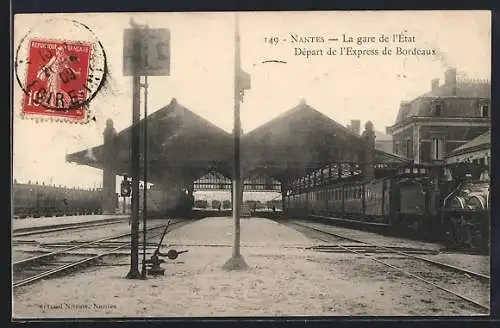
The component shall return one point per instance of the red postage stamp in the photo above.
(57, 78)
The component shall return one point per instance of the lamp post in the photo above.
(241, 82)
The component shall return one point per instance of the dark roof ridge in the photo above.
(297, 108)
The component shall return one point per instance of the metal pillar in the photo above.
(236, 180)
(144, 197)
(134, 158)
(236, 261)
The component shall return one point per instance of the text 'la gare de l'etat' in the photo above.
(357, 46)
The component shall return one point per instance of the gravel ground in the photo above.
(476, 263)
(459, 283)
(283, 279)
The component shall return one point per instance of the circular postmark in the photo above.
(60, 66)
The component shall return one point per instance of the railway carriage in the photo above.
(35, 200)
(418, 200)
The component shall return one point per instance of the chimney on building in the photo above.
(450, 79)
(355, 126)
(434, 85)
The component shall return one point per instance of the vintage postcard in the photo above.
(251, 164)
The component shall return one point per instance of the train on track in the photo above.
(161, 204)
(448, 203)
(39, 200)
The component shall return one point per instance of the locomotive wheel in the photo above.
(474, 230)
(466, 232)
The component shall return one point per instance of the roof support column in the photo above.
(108, 175)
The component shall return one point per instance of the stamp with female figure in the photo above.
(61, 76)
(56, 81)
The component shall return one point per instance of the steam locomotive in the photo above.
(450, 203)
(38, 200)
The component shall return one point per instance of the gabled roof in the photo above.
(179, 141)
(298, 140)
(298, 112)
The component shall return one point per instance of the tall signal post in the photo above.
(146, 53)
(134, 154)
(241, 83)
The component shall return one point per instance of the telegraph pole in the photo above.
(236, 262)
(134, 156)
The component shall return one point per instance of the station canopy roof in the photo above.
(472, 149)
(182, 146)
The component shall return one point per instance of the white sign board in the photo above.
(154, 52)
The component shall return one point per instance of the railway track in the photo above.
(62, 227)
(66, 260)
(364, 248)
(388, 230)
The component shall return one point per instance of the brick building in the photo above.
(448, 116)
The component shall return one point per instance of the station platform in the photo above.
(27, 223)
(283, 278)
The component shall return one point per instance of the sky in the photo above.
(201, 73)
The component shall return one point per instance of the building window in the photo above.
(438, 109)
(437, 149)
(484, 110)
(396, 148)
(408, 148)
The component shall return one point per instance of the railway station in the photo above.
(335, 188)
(355, 223)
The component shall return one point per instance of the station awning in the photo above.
(182, 146)
(477, 148)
